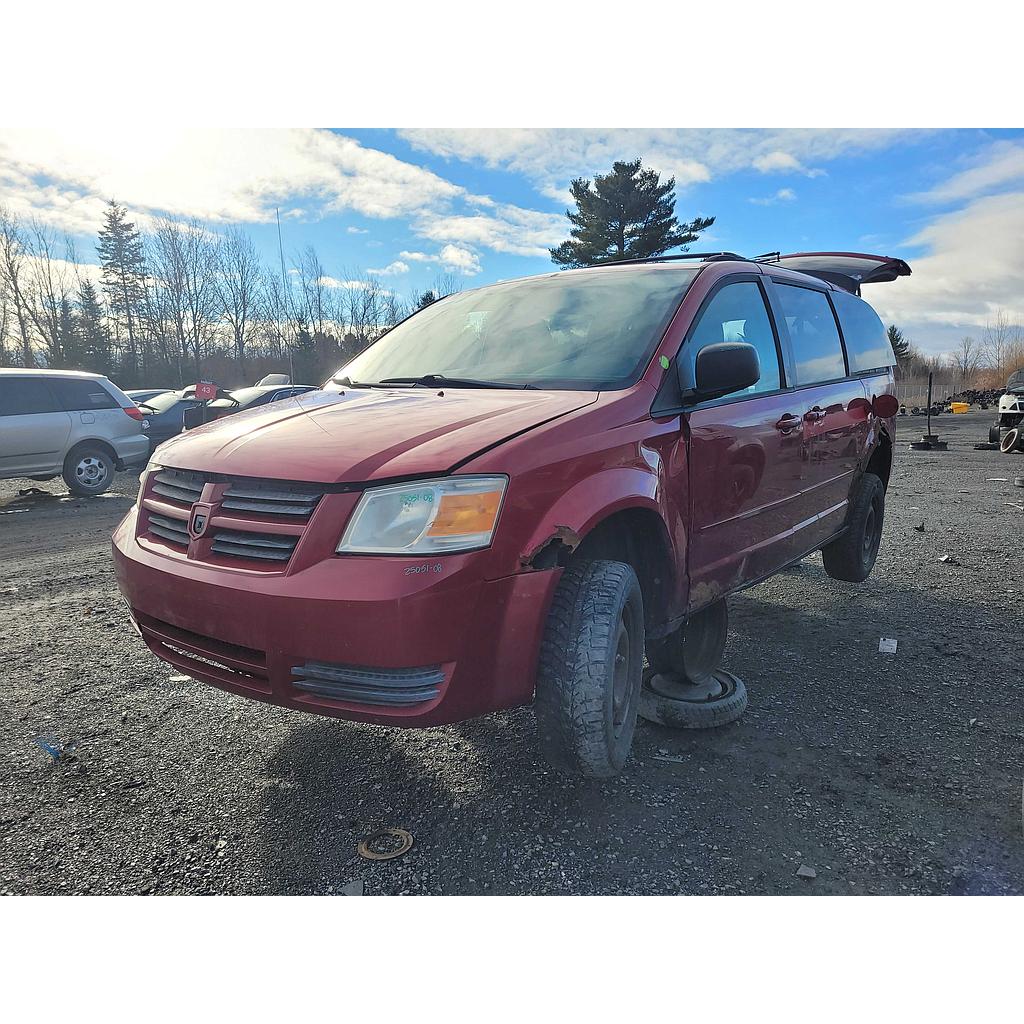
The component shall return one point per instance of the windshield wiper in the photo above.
(433, 380)
(145, 405)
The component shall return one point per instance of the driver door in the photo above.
(744, 456)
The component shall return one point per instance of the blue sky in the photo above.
(484, 204)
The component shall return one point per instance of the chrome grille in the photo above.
(173, 530)
(294, 500)
(179, 486)
(271, 547)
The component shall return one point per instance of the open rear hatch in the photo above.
(847, 270)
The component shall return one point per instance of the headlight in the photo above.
(427, 517)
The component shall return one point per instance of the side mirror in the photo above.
(725, 368)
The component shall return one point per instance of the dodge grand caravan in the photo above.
(521, 490)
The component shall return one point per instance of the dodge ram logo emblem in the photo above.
(198, 520)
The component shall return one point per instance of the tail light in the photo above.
(135, 412)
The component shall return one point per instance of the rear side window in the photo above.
(81, 395)
(817, 350)
(25, 396)
(867, 344)
(738, 313)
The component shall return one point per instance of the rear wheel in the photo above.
(591, 663)
(88, 470)
(851, 557)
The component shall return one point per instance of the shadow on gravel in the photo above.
(863, 762)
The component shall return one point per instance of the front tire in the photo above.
(851, 557)
(590, 669)
(994, 433)
(88, 470)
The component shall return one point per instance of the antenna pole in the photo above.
(284, 292)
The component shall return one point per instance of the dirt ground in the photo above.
(884, 773)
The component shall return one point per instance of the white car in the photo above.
(1011, 407)
(65, 423)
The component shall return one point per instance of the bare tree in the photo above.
(14, 276)
(967, 360)
(1002, 343)
(239, 283)
(51, 287)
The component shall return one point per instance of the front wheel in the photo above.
(851, 557)
(590, 668)
(88, 470)
(994, 433)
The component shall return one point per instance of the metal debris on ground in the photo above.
(886, 645)
(947, 558)
(386, 844)
(805, 872)
(920, 529)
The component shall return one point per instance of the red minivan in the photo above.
(522, 490)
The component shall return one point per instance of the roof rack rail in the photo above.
(768, 257)
(706, 256)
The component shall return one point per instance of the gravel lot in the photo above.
(884, 773)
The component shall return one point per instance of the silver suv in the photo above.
(70, 424)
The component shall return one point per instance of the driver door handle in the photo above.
(788, 423)
(813, 415)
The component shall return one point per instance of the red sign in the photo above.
(206, 389)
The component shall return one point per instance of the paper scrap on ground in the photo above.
(886, 646)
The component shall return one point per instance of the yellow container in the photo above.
(959, 406)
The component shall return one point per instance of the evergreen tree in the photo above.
(900, 345)
(123, 264)
(426, 299)
(92, 335)
(67, 336)
(627, 214)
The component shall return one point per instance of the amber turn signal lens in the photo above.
(465, 514)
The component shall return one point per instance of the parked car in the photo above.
(64, 423)
(230, 402)
(520, 490)
(146, 394)
(164, 415)
(1011, 407)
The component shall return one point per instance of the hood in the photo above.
(361, 434)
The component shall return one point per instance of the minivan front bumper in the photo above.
(355, 637)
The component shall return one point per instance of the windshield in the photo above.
(575, 331)
(243, 396)
(161, 403)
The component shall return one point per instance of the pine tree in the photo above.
(900, 345)
(92, 334)
(124, 276)
(627, 214)
(426, 299)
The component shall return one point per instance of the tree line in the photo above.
(983, 362)
(180, 302)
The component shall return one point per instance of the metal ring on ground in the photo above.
(366, 847)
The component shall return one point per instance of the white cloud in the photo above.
(357, 231)
(780, 162)
(510, 229)
(451, 257)
(970, 270)
(243, 176)
(395, 267)
(219, 176)
(784, 195)
(1001, 164)
(550, 158)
